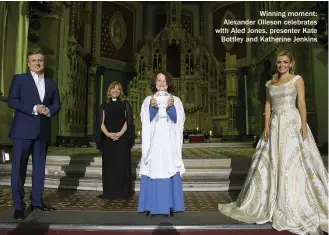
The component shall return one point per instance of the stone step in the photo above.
(76, 170)
(97, 162)
(85, 173)
(96, 184)
(213, 145)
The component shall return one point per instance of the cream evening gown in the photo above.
(287, 183)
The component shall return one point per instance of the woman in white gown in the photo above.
(287, 183)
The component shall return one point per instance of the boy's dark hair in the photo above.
(169, 80)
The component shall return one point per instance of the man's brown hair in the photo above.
(35, 51)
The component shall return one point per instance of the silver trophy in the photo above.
(162, 101)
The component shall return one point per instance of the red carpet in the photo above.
(155, 232)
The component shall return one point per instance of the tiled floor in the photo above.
(72, 200)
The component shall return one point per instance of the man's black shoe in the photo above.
(42, 207)
(19, 214)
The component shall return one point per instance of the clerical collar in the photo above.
(114, 99)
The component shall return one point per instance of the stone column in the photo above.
(4, 116)
(88, 27)
(247, 11)
(51, 35)
(231, 72)
(3, 20)
(91, 100)
(13, 54)
(257, 117)
(148, 21)
(174, 13)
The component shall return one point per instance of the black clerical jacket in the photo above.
(130, 132)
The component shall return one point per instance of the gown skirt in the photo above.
(287, 183)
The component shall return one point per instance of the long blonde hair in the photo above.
(111, 86)
(292, 69)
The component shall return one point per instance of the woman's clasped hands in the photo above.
(114, 135)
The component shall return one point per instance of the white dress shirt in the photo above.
(40, 84)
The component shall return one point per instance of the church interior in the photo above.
(89, 44)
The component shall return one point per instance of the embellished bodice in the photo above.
(283, 97)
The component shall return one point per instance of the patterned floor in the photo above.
(71, 200)
(188, 153)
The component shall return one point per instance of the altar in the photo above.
(196, 139)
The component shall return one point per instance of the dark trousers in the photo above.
(20, 158)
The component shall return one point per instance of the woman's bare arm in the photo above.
(267, 110)
(301, 101)
(103, 128)
(124, 128)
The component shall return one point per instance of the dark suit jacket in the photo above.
(23, 96)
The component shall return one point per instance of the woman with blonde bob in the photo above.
(117, 134)
(287, 183)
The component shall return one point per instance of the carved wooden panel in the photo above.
(75, 103)
(187, 22)
(157, 60)
(79, 22)
(117, 32)
(160, 22)
(233, 11)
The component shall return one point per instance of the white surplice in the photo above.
(162, 142)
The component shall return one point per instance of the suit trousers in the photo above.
(21, 152)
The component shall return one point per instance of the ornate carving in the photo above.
(187, 21)
(174, 33)
(72, 17)
(75, 104)
(72, 47)
(228, 16)
(79, 16)
(198, 67)
(57, 8)
(294, 6)
(118, 30)
(94, 31)
(201, 18)
(93, 70)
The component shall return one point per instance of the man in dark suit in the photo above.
(35, 99)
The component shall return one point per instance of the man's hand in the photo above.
(40, 108)
(44, 110)
(171, 101)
